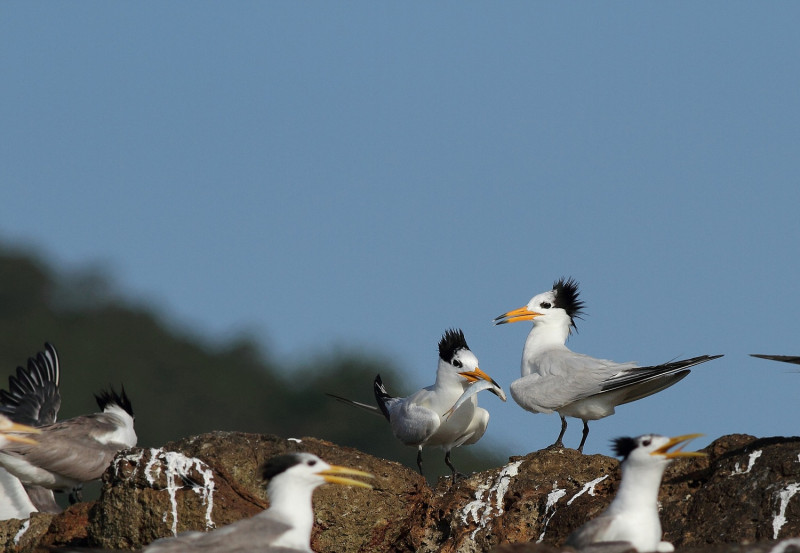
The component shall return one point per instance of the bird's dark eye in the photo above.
(646, 443)
(545, 305)
(311, 462)
(457, 364)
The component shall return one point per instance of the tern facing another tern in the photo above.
(426, 418)
(76, 450)
(632, 517)
(286, 525)
(554, 378)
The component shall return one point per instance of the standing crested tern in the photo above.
(554, 378)
(425, 418)
(33, 398)
(785, 358)
(76, 450)
(632, 517)
(286, 525)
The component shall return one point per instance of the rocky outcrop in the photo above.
(745, 496)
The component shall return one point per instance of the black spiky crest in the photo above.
(567, 293)
(452, 341)
(280, 463)
(109, 397)
(623, 446)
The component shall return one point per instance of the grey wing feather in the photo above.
(252, 534)
(43, 499)
(33, 396)
(643, 374)
(412, 424)
(590, 533)
(69, 448)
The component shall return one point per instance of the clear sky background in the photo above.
(327, 175)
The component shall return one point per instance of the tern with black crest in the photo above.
(444, 414)
(554, 378)
(631, 520)
(76, 450)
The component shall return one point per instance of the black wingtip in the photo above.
(111, 397)
(783, 358)
(381, 396)
(33, 397)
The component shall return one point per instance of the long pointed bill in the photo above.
(6, 426)
(664, 450)
(478, 374)
(332, 475)
(521, 314)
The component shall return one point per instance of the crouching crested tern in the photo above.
(76, 450)
(286, 525)
(554, 378)
(632, 517)
(445, 414)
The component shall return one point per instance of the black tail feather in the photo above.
(381, 395)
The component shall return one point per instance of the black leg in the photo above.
(449, 463)
(419, 460)
(76, 495)
(585, 433)
(558, 442)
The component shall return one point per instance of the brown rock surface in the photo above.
(743, 497)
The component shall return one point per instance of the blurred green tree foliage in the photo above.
(178, 384)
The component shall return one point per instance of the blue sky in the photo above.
(366, 175)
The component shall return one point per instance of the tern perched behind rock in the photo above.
(632, 517)
(286, 525)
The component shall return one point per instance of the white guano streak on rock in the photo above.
(22, 530)
(178, 465)
(780, 517)
(750, 463)
(552, 499)
(488, 511)
(588, 487)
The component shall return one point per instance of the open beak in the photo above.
(334, 476)
(664, 450)
(521, 314)
(478, 374)
(9, 426)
